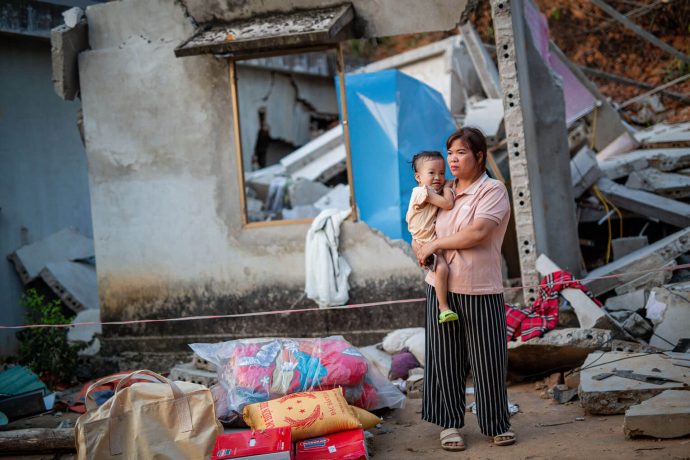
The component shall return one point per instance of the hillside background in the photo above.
(591, 38)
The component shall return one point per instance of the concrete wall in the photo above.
(165, 201)
(43, 171)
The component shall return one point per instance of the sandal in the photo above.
(452, 436)
(505, 439)
(447, 315)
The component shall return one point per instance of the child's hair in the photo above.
(426, 155)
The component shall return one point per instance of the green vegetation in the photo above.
(46, 350)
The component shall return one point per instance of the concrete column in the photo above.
(538, 148)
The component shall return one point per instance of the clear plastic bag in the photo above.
(257, 370)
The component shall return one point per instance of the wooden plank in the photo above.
(640, 31)
(37, 440)
(661, 159)
(661, 183)
(646, 204)
(589, 314)
(654, 256)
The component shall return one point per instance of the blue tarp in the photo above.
(392, 116)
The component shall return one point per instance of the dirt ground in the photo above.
(545, 430)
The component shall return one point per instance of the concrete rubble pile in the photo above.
(64, 262)
(621, 177)
(312, 177)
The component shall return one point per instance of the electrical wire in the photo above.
(608, 222)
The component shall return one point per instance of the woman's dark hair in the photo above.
(474, 139)
(426, 155)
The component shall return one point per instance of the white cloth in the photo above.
(411, 338)
(326, 271)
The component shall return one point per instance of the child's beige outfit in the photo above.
(421, 216)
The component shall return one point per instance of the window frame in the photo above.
(239, 157)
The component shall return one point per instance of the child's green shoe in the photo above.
(446, 316)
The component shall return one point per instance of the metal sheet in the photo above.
(391, 116)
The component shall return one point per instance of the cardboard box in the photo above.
(345, 445)
(270, 444)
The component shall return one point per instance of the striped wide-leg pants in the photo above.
(478, 342)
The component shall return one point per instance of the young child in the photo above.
(430, 195)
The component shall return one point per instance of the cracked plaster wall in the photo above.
(165, 204)
(289, 100)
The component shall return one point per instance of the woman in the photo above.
(471, 234)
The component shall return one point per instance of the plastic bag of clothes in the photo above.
(257, 370)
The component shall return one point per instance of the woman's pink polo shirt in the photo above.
(475, 270)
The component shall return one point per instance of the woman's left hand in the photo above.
(423, 252)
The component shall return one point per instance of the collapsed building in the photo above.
(203, 191)
(183, 224)
(171, 236)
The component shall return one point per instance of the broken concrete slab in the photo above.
(559, 349)
(203, 364)
(632, 301)
(304, 192)
(615, 394)
(646, 204)
(654, 256)
(313, 150)
(338, 198)
(537, 137)
(75, 283)
(483, 64)
(260, 180)
(326, 167)
(189, 373)
(487, 115)
(584, 171)
(661, 183)
(666, 415)
(664, 133)
(661, 159)
(589, 314)
(631, 347)
(563, 393)
(633, 323)
(66, 44)
(85, 333)
(302, 211)
(67, 244)
(623, 246)
(650, 279)
(673, 321)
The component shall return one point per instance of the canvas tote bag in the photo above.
(157, 419)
